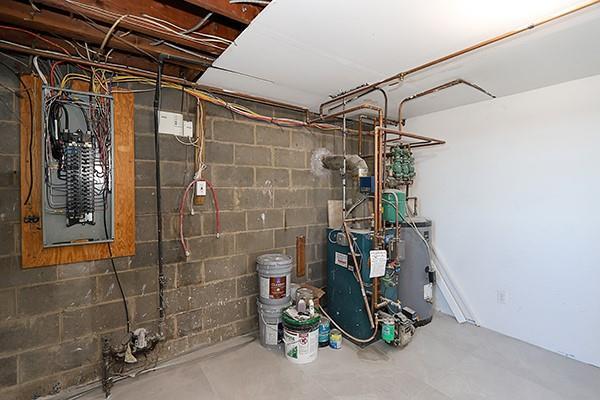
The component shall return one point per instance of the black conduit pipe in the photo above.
(162, 279)
(159, 220)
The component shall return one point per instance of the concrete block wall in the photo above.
(52, 319)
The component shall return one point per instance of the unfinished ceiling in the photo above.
(191, 33)
(303, 52)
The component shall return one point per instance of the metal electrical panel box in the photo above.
(77, 167)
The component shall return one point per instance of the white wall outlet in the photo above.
(501, 296)
(201, 188)
(188, 129)
(170, 123)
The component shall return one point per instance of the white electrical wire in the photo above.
(164, 25)
(39, 71)
(110, 31)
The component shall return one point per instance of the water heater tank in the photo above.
(415, 282)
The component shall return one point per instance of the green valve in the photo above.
(403, 164)
(388, 330)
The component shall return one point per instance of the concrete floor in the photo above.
(444, 361)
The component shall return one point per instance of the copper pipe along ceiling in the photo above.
(439, 88)
(365, 106)
(353, 94)
(423, 140)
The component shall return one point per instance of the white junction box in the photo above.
(188, 129)
(201, 188)
(173, 124)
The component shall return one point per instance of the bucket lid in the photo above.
(288, 320)
(274, 260)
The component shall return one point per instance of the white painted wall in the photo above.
(515, 200)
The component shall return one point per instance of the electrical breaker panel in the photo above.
(77, 167)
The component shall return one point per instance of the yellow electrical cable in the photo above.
(99, 81)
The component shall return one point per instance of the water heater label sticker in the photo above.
(341, 259)
(428, 292)
(378, 263)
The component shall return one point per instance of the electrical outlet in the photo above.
(201, 188)
(501, 296)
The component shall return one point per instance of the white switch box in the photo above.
(170, 123)
(188, 129)
(201, 188)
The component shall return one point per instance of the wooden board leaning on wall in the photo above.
(33, 253)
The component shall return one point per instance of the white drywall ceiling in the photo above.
(302, 52)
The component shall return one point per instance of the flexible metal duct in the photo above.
(354, 164)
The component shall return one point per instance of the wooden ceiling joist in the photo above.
(110, 17)
(115, 57)
(19, 14)
(184, 15)
(243, 13)
(140, 30)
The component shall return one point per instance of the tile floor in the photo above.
(444, 361)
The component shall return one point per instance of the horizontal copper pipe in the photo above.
(359, 219)
(365, 106)
(353, 94)
(426, 141)
(438, 88)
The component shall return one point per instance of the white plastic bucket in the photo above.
(300, 345)
(269, 324)
(274, 278)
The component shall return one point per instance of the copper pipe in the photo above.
(358, 274)
(148, 74)
(378, 171)
(362, 118)
(402, 75)
(409, 135)
(436, 89)
(425, 140)
(360, 136)
(358, 219)
(384, 303)
(364, 106)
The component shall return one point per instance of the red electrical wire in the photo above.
(181, 214)
(54, 64)
(12, 28)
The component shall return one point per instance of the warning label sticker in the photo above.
(341, 259)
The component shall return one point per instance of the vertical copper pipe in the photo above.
(360, 135)
(378, 172)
